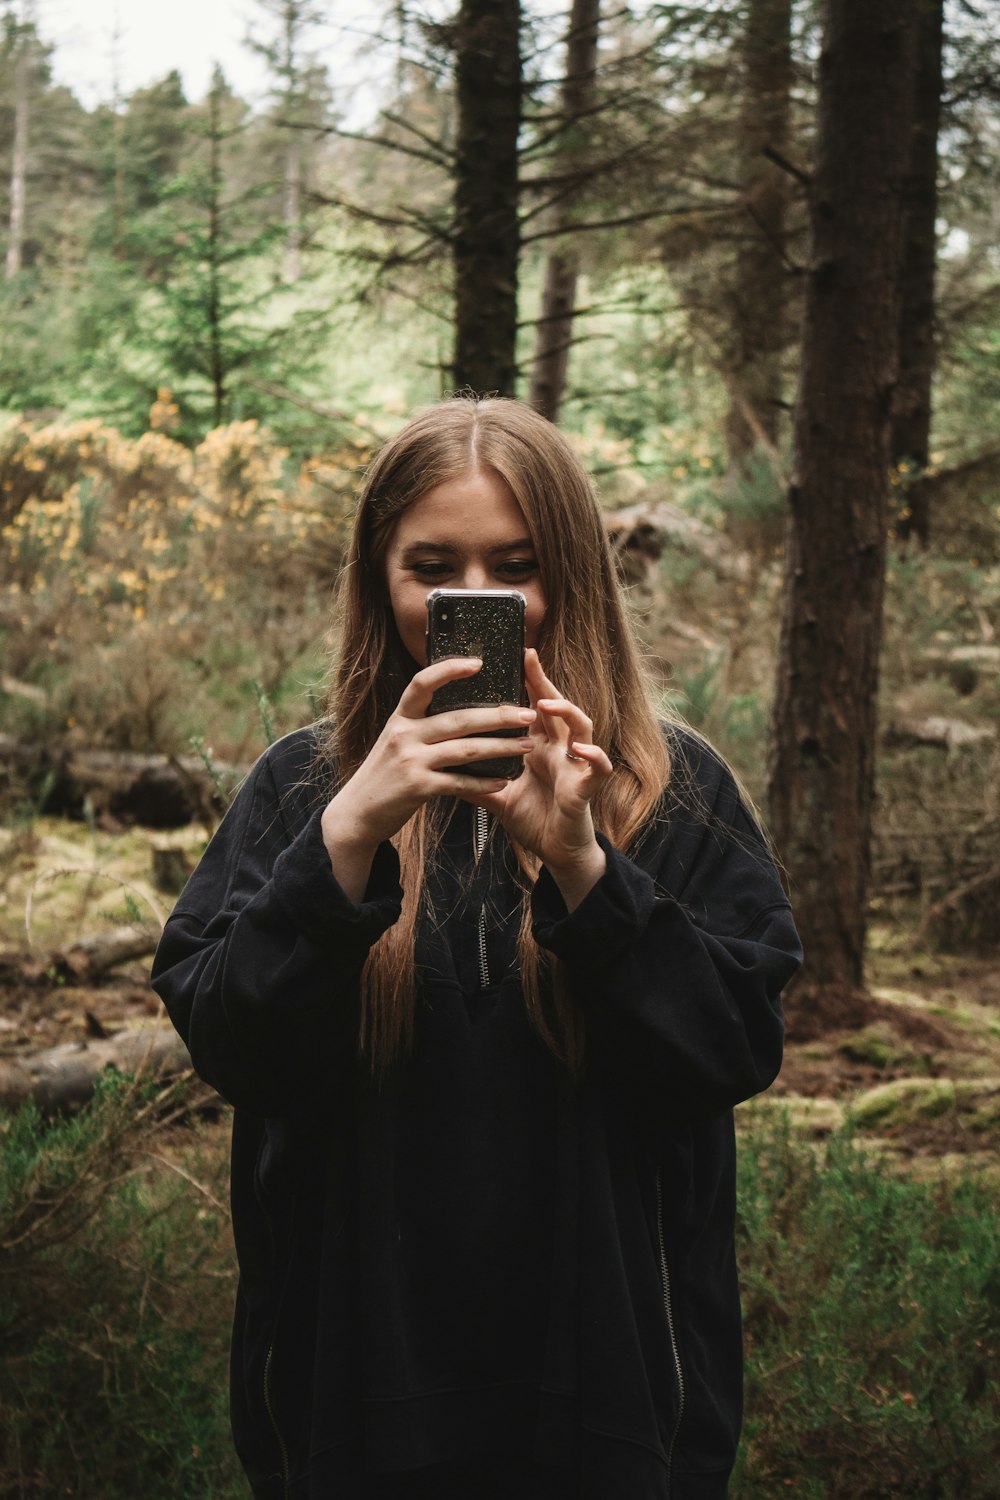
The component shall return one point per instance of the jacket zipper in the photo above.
(480, 835)
(668, 1307)
(273, 1419)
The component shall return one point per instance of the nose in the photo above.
(473, 575)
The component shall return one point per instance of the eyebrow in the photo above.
(521, 544)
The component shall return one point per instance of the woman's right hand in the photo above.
(407, 766)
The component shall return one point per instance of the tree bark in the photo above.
(911, 425)
(759, 315)
(555, 326)
(217, 362)
(19, 158)
(486, 236)
(821, 775)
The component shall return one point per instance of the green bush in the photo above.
(115, 1296)
(872, 1306)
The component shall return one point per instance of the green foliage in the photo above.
(115, 1295)
(266, 713)
(872, 1309)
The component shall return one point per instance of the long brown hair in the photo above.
(585, 642)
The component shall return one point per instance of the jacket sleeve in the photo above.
(679, 955)
(258, 963)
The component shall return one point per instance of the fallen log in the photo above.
(93, 956)
(964, 665)
(947, 734)
(966, 914)
(639, 534)
(83, 961)
(61, 1079)
(157, 791)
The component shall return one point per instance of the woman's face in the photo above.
(468, 533)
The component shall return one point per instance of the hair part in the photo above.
(586, 643)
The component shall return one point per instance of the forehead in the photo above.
(475, 505)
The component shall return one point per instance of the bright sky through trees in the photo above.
(189, 35)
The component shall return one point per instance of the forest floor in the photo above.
(920, 1080)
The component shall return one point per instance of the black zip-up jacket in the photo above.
(483, 1257)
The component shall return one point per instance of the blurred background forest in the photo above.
(747, 255)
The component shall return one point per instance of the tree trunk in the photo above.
(759, 315)
(19, 159)
(823, 731)
(294, 21)
(555, 325)
(486, 229)
(217, 362)
(911, 425)
(293, 210)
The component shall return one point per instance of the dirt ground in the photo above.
(921, 1076)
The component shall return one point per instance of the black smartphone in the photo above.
(488, 623)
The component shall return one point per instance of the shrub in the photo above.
(872, 1307)
(115, 1295)
(146, 586)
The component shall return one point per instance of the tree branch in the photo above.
(440, 158)
(621, 221)
(387, 221)
(786, 166)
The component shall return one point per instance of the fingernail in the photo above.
(526, 716)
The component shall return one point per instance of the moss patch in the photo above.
(972, 1104)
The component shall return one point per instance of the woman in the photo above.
(483, 1037)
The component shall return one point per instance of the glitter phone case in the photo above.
(487, 623)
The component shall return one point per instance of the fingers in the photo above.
(416, 700)
(461, 722)
(537, 683)
(422, 686)
(546, 697)
(574, 720)
(460, 752)
(565, 723)
(593, 757)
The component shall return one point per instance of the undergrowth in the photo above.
(115, 1298)
(872, 1306)
(872, 1310)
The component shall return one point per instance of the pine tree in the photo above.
(209, 321)
(301, 106)
(577, 98)
(821, 784)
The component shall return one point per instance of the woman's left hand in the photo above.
(547, 808)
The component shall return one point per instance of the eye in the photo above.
(518, 567)
(430, 569)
